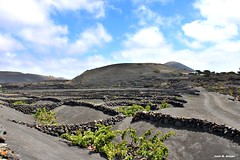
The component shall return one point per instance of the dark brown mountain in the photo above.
(179, 66)
(126, 75)
(17, 77)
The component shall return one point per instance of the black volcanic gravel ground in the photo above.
(191, 145)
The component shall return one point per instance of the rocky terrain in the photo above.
(206, 123)
(82, 109)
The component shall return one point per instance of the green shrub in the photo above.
(19, 103)
(141, 147)
(148, 107)
(132, 110)
(164, 105)
(156, 71)
(43, 116)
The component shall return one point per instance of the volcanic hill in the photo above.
(126, 75)
(179, 66)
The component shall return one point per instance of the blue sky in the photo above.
(64, 38)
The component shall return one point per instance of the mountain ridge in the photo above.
(19, 77)
(125, 75)
(179, 66)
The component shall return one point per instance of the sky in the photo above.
(64, 38)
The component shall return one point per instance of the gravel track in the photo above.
(211, 106)
(218, 108)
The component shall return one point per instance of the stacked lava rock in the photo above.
(5, 152)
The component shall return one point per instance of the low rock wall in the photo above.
(190, 124)
(31, 109)
(103, 108)
(58, 130)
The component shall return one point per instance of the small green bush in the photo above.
(164, 105)
(19, 103)
(140, 147)
(43, 116)
(132, 110)
(156, 71)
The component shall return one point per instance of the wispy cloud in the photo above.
(211, 42)
(163, 2)
(148, 17)
(220, 21)
(34, 38)
(31, 41)
(95, 7)
(8, 43)
(95, 36)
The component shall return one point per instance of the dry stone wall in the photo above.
(105, 109)
(30, 109)
(57, 130)
(190, 124)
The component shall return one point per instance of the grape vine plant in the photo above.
(129, 147)
(43, 116)
(131, 110)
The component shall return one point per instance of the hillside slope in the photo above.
(179, 66)
(16, 77)
(126, 75)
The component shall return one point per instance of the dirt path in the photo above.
(211, 106)
(218, 107)
(34, 145)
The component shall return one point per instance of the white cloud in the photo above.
(150, 45)
(51, 35)
(219, 24)
(191, 44)
(66, 67)
(29, 27)
(30, 20)
(8, 43)
(217, 58)
(92, 6)
(21, 13)
(71, 67)
(228, 47)
(146, 45)
(221, 21)
(163, 2)
(219, 12)
(95, 36)
(149, 37)
(205, 32)
(147, 17)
